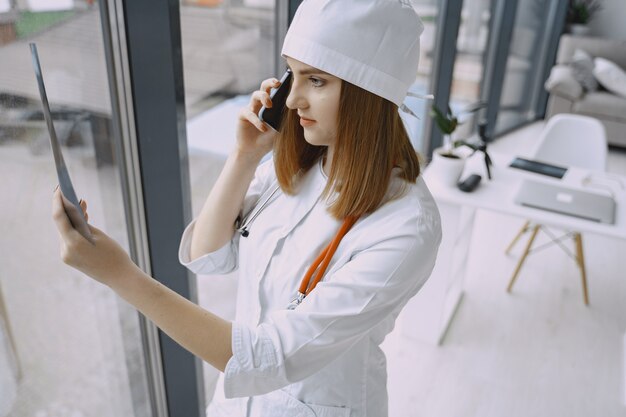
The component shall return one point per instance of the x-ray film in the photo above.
(70, 201)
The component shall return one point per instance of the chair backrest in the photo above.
(573, 140)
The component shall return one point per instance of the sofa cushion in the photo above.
(562, 83)
(582, 70)
(611, 76)
(602, 104)
(613, 49)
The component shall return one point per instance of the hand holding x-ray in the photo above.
(71, 204)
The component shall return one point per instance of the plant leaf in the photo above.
(447, 124)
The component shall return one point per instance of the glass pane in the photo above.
(520, 88)
(427, 11)
(68, 345)
(468, 64)
(228, 49)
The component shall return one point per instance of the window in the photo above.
(229, 48)
(71, 345)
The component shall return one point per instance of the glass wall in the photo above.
(68, 345)
(468, 70)
(471, 44)
(427, 11)
(229, 47)
(527, 50)
(469, 63)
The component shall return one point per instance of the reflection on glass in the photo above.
(471, 44)
(468, 65)
(68, 345)
(228, 50)
(519, 91)
(427, 10)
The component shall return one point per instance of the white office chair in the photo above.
(567, 140)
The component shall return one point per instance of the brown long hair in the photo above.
(371, 141)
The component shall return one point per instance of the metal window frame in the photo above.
(557, 16)
(125, 143)
(149, 123)
(448, 23)
(144, 57)
(502, 23)
(284, 12)
(154, 45)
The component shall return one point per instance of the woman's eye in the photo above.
(316, 82)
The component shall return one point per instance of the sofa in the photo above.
(567, 94)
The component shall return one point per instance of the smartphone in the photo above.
(274, 115)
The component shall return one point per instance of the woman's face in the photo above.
(315, 95)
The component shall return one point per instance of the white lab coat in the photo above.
(323, 358)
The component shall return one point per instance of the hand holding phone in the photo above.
(274, 115)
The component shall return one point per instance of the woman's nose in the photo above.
(295, 100)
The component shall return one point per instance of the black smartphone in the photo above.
(274, 115)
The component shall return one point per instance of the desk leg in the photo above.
(428, 315)
(580, 259)
(522, 259)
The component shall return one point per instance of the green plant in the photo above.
(582, 11)
(30, 23)
(447, 124)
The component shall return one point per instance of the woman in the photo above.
(343, 171)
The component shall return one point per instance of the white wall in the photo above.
(609, 22)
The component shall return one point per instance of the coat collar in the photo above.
(309, 193)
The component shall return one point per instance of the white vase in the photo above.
(578, 29)
(445, 169)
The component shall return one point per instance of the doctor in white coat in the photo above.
(332, 236)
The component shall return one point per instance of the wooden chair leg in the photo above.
(516, 238)
(523, 257)
(580, 258)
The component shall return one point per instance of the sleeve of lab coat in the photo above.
(343, 308)
(225, 259)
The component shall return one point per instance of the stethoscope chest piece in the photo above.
(296, 301)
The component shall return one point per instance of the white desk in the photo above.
(498, 194)
(441, 295)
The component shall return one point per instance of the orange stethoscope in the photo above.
(319, 265)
